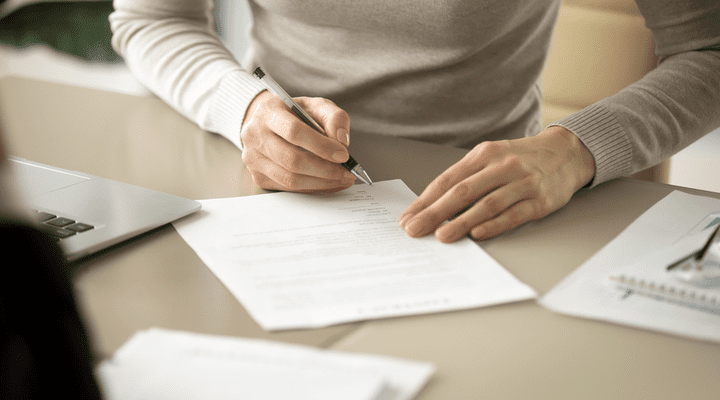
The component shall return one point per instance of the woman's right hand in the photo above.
(284, 153)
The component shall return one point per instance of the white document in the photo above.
(673, 228)
(164, 364)
(304, 261)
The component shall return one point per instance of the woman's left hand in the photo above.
(501, 185)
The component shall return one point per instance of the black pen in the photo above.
(351, 165)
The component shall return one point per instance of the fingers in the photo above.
(462, 197)
(332, 118)
(291, 168)
(441, 186)
(284, 123)
(493, 210)
(284, 153)
(501, 210)
(519, 213)
(499, 186)
(303, 184)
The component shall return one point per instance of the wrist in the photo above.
(253, 106)
(249, 112)
(581, 160)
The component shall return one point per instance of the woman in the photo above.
(457, 72)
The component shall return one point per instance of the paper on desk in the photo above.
(163, 364)
(303, 261)
(669, 230)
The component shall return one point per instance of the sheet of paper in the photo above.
(163, 364)
(675, 226)
(304, 261)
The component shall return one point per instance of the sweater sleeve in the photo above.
(171, 47)
(672, 106)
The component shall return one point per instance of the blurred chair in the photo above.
(599, 47)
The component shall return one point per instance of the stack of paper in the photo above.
(162, 364)
(304, 261)
(675, 227)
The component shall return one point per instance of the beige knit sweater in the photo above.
(449, 71)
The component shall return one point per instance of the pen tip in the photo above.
(363, 175)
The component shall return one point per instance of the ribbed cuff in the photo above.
(231, 98)
(600, 132)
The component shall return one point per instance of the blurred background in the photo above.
(69, 42)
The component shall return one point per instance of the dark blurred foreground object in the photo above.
(44, 348)
(79, 28)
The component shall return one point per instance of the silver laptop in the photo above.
(88, 213)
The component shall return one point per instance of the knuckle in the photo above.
(290, 161)
(443, 183)
(328, 101)
(492, 204)
(478, 153)
(250, 130)
(293, 129)
(513, 162)
(339, 115)
(464, 224)
(340, 174)
(516, 218)
(534, 195)
(246, 156)
(267, 109)
(491, 148)
(249, 156)
(486, 147)
(542, 199)
(288, 180)
(462, 191)
(261, 180)
(544, 207)
(321, 103)
(329, 114)
(536, 208)
(532, 181)
(306, 101)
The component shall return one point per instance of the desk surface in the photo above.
(511, 351)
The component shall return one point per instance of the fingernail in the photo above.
(477, 233)
(344, 136)
(340, 156)
(404, 219)
(414, 228)
(446, 235)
